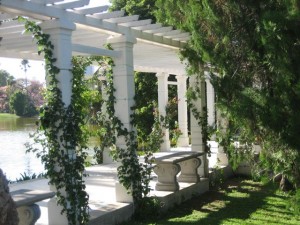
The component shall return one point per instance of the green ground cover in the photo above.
(7, 115)
(240, 201)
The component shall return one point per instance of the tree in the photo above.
(254, 48)
(35, 91)
(5, 78)
(24, 66)
(144, 8)
(22, 104)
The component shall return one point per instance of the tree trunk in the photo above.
(8, 211)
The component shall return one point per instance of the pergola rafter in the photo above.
(94, 25)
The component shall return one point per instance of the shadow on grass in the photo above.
(239, 202)
(234, 202)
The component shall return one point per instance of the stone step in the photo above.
(110, 214)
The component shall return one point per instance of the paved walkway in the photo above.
(100, 185)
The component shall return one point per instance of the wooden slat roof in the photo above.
(156, 49)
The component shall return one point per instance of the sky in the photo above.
(36, 70)
(13, 67)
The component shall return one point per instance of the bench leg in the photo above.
(29, 214)
(166, 177)
(189, 173)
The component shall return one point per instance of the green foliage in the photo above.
(25, 176)
(22, 105)
(5, 78)
(144, 8)
(61, 134)
(254, 49)
(145, 98)
(294, 203)
(216, 178)
(150, 206)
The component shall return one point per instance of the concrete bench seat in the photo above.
(169, 165)
(25, 200)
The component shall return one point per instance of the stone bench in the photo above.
(168, 166)
(25, 200)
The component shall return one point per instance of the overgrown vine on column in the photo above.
(111, 128)
(193, 94)
(60, 134)
(132, 174)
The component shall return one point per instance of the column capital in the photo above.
(57, 23)
(181, 77)
(121, 39)
(162, 74)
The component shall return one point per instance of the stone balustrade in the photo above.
(28, 211)
(168, 167)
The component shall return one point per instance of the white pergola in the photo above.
(94, 25)
(76, 28)
(155, 47)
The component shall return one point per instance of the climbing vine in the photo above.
(132, 174)
(61, 135)
(193, 94)
(63, 138)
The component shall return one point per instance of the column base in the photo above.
(166, 177)
(121, 194)
(54, 213)
(183, 142)
(167, 187)
(28, 215)
(189, 173)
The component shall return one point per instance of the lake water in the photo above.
(14, 161)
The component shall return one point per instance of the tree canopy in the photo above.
(5, 78)
(252, 49)
(144, 8)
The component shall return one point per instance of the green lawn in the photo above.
(239, 202)
(7, 115)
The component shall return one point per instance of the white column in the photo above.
(106, 151)
(123, 79)
(162, 79)
(196, 130)
(222, 159)
(183, 140)
(211, 119)
(61, 37)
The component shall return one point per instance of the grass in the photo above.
(240, 201)
(8, 115)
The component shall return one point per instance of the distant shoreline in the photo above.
(8, 115)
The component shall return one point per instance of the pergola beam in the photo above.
(72, 5)
(108, 15)
(91, 11)
(110, 22)
(94, 51)
(136, 23)
(33, 10)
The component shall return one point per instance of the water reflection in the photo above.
(14, 133)
(11, 123)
